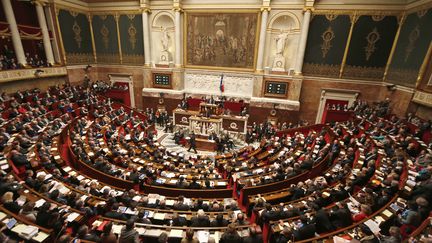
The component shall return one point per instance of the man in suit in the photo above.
(306, 231)
(253, 236)
(114, 214)
(341, 217)
(201, 220)
(192, 142)
(321, 220)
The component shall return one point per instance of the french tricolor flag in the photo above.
(221, 86)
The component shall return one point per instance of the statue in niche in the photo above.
(165, 56)
(280, 42)
(165, 39)
(279, 59)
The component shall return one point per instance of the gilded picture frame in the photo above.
(221, 39)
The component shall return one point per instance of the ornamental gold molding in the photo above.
(372, 38)
(367, 73)
(327, 36)
(401, 20)
(79, 58)
(412, 39)
(402, 76)
(324, 70)
(353, 18)
(132, 32)
(11, 75)
(105, 36)
(422, 98)
(77, 34)
(423, 67)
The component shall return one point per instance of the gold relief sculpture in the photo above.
(378, 17)
(131, 16)
(331, 17)
(422, 13)
(323, 70)
(103, 17)
(79, 58)
(73, 13)
(327, 37)
(133, 59)
(132, 36)
(77, 31)
(372, 38)
(105, 36)
(108, 58)
(402, 76)
(412, 39)
(370, 73)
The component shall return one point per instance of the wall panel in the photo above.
(413, 43)
(326, 43)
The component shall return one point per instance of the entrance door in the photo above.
(330, 97)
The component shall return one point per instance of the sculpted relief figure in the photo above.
(280, 42)
(165, 39)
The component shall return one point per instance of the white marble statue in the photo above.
(280, 42)
(165, 39)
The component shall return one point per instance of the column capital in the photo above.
(401, 18)
(146, 9)
(177, 9)
(40, 2)
(265, 8)
(308, 9)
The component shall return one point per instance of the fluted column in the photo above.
(302, 43)
(262, 38)
(177, 37)
(45, 35)
(146, 37)
(16, 39)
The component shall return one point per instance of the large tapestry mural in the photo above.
(221, 39)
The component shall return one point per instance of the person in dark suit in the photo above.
(9, 204)
(201, 220)
(192, 142)
(179, 220)
(285, 236)
(194, 184)
(341, 216)
(269, 214)
(231, 235)
(219, 221)
(114, 214)
(180, 205)
(321, 220)
(306, 231)
(253, 236)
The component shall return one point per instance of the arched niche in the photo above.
(163, 33)
(284, 25)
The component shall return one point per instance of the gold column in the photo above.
(424, 65)
(89, 17)
(354, 17)
(57, 11)
(396, 39)
(117, 17)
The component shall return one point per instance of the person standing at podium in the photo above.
(192, 142)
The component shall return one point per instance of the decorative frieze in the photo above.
(20, 74)
(422, 98)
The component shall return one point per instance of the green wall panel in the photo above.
(326, 44)
(131, 36)
(411, 48)
(76, 36)
(106, 41)
(370, 46)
